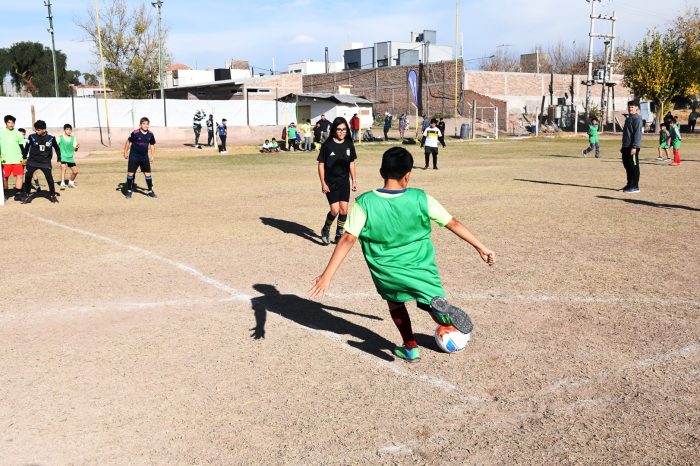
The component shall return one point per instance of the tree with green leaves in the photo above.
(30, 65)
(90, 79)
(130, 47)
(663, 66)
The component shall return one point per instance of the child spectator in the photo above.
(306, 130)
(265, 148)
(664, 142)
(292, 137)
(318, 133)
(210, 130)
(355, 127)
(69, 146)
(41, 148)
(223, 133)
(431, 136)
(274, 147)
(593, 139)
(393, 226)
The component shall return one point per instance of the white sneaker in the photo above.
(62, 185)
(71, 184)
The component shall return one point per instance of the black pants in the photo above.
(47, 174)
(386, 134)
(631, 164)
(210, 138)
(691, 126)
(222, 146)
(428, 152)
(197, 132)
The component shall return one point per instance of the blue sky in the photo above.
(206, 34)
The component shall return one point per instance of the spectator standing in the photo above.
(197, 126)
(210, 130)
(403, 125)
(387, 125)
(355, 127)
(325, 128)
(223, 134)
(692, 119)
(441, 127)
(306, 130)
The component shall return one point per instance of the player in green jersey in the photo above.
(69, 146)
(393, 226)
(593, 138)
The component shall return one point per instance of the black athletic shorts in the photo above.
(340, 191)
(144, 165)
(68, 164)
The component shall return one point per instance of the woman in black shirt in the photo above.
(336, 160)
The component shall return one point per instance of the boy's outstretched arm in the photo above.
(463, 232)
(323, 281)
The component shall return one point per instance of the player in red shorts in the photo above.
(11, 144)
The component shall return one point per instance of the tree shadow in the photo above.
(121, 187)
(651, 204)
(565, 184)
(317, 316)
(293, 228)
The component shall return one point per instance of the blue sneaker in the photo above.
(407, 354)
(446, 314)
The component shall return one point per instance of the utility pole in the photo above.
(158, 4)
(454, 113)
(609, 61)
(47, 3)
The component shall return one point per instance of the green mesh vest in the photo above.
(397, 246)
(65, 145)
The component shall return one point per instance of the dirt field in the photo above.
(177, 330)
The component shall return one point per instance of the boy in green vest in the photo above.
(393, 225)
(664, 142)
(676, 141)
(69, 146)
(593, 138)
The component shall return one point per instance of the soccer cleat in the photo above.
(325, 235)
(26, 199)
(624, 189)
(339, 234)
(660, 158)
(62, 186)
(128, 195)
(53, 199)
(444, 311)
(151, 194)
(71, 184)
(407, 354)
(584, 152)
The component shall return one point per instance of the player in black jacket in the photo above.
(41, 144)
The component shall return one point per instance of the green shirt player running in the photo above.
(69, 146)
(593, 142)
(393, 226)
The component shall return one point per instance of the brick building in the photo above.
(388, 87)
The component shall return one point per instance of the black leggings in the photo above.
(631, 164)
(47, 174)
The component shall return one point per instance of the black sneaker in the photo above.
(26, 199)
(458, 318)
(325, 235)
(53, 199)
(624, 189)
(151, 194)
(127, 195)
(339, 234)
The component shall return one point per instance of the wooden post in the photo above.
(474, 119)
(496, 120)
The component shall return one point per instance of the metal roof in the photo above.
(337, 98)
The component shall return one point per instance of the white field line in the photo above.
(152, 255)
(234, 295)
(537, 298)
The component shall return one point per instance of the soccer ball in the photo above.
(451, 340)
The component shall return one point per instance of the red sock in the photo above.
(399, 314)
(676, 155)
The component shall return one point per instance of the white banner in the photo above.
(126, 113)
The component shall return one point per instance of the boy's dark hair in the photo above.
(433, 120)
(674, 119)
(274, 139)
(308, 121)
(593, 119)
(396, 162)
(9, 118)
(40, 124)
(22, 130)
(144, 119)
(634, 102)
(662, 125)
(67, 126)
(223, 119)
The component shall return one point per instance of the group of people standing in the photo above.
(221, 130)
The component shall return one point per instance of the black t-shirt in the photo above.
(336, 158)
(325, 124)
(41, 149)
(140, 143)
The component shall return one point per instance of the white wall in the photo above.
(125, 113)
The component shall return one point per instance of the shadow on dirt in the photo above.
(121, 187)
(317, 316)
(651, 204)
(293, 228)
(565, 184)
